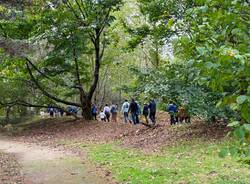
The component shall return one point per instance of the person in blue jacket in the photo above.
(172, 110)
(94, 111)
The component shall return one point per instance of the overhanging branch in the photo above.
(47, 93)
(27, 104)
(46, 76)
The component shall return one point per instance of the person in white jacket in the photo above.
(125, 109)
(102, 116)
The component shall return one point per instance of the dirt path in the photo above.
(41, 165)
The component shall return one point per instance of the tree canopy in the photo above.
(79, 52)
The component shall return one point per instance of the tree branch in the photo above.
(46, 76)
(27, 104)
(91, 35)
(81, 10)
(45, 92)
(103, 22)
(71, 8)
(103, 48)
(97, 67)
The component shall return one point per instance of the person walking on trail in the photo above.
(102, 116)
(138, 108)
(183, 114)
(114, 111)
(138, 112)
(61, 112)
(107, 111)
(145, 112)
(152, 111)
(57, 112)
(51, 111)
(172, 110)
(94, 111)
(133, 109)
(125, 109)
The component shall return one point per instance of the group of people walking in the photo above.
(106, 113)
(131, 112)
(54, 112)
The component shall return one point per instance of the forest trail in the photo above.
(41, 165)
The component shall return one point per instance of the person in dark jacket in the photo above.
(152, 110)
(145, 112)
(51, 111)
(133, 109)
(61, 112)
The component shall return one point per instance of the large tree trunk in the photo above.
(86, 110)
(98, 56)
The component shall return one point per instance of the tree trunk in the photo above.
(86, 113)
(7, 116)
(86, 110)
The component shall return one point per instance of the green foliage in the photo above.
(178, 82)
(70, 39)
(219, 53)
(212, 42)
(218, 44)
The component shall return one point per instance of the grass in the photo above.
(188, 163)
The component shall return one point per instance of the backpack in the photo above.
(113, 109)
(94, 110)
(126, 106)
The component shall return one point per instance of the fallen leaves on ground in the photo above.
(52, 131)
(9, 170)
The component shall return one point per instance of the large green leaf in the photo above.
(241, 99)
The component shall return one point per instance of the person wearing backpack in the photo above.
(107, 111)
(114, 110)
(172, 109)
(125, 109)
